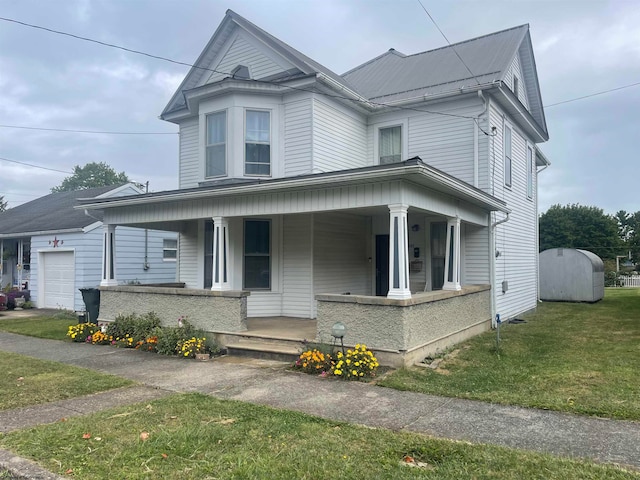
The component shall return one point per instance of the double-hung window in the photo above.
(507, 155)
(169, 249)
(257, 254)
(390, 145)
(216, 165)
(529, 172)
(257, 143)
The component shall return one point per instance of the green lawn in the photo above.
(192, 436)
(27, 381)
(42, 327)
(579, 358)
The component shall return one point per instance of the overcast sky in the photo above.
(52, 81)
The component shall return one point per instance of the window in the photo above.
(257, 254)
(515, 85)
(169, 249)
(216, 165)
(390, 145)
(507, 155)
(529, 172)
(257, 143)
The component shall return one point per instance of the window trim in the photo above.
(226, 142)
(404, 138)
(270, 254)
(530, 161)
(244, 143)
(508, 182)
(167, 249)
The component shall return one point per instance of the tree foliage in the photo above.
(91, 175)
(579, 226)
(629, 232)
(3, 203)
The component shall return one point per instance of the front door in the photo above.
(382, 265)
(438, 252)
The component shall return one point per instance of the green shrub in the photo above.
(138, 327)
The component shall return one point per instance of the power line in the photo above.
(445, 37)
(592, 95)
(87, 131)
(35, 166)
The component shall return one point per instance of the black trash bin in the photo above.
(91, 299)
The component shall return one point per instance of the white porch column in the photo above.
(109, 256)
(398, 252)
(19, 265)
(452, 256)
(1, 262)
(221, 274)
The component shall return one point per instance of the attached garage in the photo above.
(57, 279)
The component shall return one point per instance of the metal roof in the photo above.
(436, 71)
(50, 213)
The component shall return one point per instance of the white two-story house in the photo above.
(370, 197)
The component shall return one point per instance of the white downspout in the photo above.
(492, 266)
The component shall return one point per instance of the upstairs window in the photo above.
(216, 165)
(529, 172)
(169, 249)
(390, 145)
(507, 155)
(257, 143)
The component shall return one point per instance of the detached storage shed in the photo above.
(571, 275)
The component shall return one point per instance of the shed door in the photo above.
(58, 280)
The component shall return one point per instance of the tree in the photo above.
(3, 203)
(579, 226)
(90, 176)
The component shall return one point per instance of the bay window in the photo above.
(257, 141)
(216, 147)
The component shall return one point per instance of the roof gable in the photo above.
(239, 42)
(53, 212)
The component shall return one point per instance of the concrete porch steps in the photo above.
(262, 347)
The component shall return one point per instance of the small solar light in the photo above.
(338, 331)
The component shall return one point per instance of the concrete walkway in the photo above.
(269, 383)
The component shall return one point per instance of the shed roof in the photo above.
(50, 213)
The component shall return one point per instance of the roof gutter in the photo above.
(41, 232)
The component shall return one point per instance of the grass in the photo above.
(41, 327)
(579, 358)
(196, 436)
(27, 381)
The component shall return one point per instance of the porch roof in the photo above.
(413, 170)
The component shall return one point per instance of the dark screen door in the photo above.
(382, 265)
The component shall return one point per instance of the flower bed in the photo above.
(143, 332)
(358, 363)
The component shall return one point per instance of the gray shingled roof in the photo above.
(50, 213)
(394, 76)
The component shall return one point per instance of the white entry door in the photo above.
(58, 280)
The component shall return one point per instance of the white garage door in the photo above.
(59, 280)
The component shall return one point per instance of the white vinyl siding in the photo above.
(339, 139)
(340, 261)
(446, 142)
(189, 164)
(475, 261)
(298, 127)
(508, 154)
(297, 296)
(242, 51)
(529, 167)
(515, 72)
(189, 257)
(516, 239)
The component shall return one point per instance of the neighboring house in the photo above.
(52, 249)
(318, 193)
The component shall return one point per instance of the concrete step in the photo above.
(264, 351)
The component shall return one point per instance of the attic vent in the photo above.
(241, 72)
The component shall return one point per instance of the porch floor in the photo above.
(288, 328)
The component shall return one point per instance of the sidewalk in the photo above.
(269, 383)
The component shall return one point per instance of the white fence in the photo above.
(629, 280)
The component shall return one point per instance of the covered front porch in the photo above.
(291, 247)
